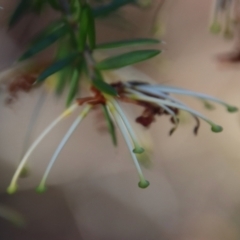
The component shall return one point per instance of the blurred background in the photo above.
(93, 194)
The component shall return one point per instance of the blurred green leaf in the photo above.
(128, 43)
(64, 74)
(106, 9)
(104, 87)
(64, 47)
(84, 21)
(63, 77)
(44, 43)
(12, 216)
(75, 8)
(57, 66)
(22, 8)
(54, 4)
(91, 29)
(38, 5)
(126, 59)
(111, 126)
(98, 75)
(74, 85)
(72, 35)
(48, 30)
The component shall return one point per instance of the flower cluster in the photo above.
(224, 17)
(156, 100)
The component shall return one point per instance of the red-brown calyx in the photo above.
(98, 98)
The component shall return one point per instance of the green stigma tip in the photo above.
(232, 109)
(12, 189)
(144, 184)
(138, 150)
(41, 189)
(216, 128)
(215, 28)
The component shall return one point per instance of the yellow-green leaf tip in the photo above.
(138, 150)
(217, 128)
(41, 189)
(12, 189)
(144, 184)
(232, 109)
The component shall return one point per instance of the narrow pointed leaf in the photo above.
(83, 28)
(48, 30)
(57, 66)
(75, 7)
(44, 43)
(111, 126)
(126, 59)
(104, 87)
(74, 84)
(64, 74)
(98, 75)
(22, 8)
(128, 43)
(110, 7)
(73, 39)
(63, 77)
(91, 29)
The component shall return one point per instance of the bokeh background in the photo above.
(93, 194)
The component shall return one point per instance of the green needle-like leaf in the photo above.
(64, 74)
(44, 43)
(104, 87)
(48, 30)
(75, 7)
(84, 21)
(126, 59)
(63, 77)
(74, 84)
(22, 8)
(57, 66)
(111, 126)
(128, 43)
(91, 29)
(106, 9)
(72, 36)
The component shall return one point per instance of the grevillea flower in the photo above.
(225, 19)
(156, 100)
(224, 14)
